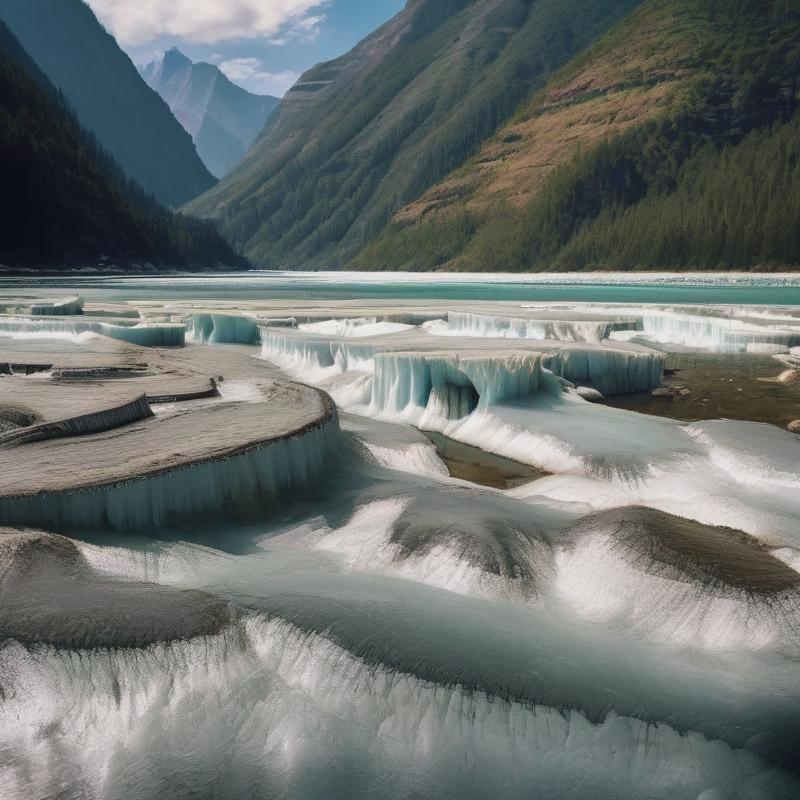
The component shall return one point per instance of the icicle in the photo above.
(483, 325)
(222, 329)
(262, 473)
(144, 335)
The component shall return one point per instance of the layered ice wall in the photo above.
(608, 370)
(144, 334)
(314, 359)
(251, 478)
(710, 329)
(453, 386)
(58, 308)
(222, 329)
(461, 323)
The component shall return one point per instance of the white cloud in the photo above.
(303, 30)
(135, 22)
(250, 73)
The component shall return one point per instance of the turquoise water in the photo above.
(704, 289)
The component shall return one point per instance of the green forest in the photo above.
(67, 202)
(376, 141)
(714, 186)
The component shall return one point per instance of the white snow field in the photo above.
(233, 564)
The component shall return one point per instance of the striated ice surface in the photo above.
(291, 714)
(712, 329)
(222, 329)
(56, 308)
(243, 480)
(145, 335)
(462, 323)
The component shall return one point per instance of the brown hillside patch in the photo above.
(635, 74)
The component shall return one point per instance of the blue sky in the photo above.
(262, 45)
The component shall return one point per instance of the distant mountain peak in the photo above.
(223, 118)
(84, 61)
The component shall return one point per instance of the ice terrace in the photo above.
(143, 333)
(627, 626)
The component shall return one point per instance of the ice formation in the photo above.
(58, 308)
(496, 374)
(287, 713)
(84, 424)
(143, 334)
(247, 599)
(354, 327)
(222, 329)
(714, 330)
(462, 323)
(248, 478)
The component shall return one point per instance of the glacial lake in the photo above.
(687, 288)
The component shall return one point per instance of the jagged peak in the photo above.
(176, 56)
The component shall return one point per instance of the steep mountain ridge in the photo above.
(68, 204)
(109, 97)
(360, 137)
(223, 119)
(641, 153)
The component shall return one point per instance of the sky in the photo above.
(263, 45)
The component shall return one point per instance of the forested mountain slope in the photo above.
(360, 137)
(65, 202)
(109, 97)
(222, 118)
(673, 142)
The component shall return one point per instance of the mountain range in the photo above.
(535, 134)
(109, 97)
(496, 135)
(222, 118)
(67, 203)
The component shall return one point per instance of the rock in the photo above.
(592, 395)
(662, 392)
(684, 392)
(794, 426)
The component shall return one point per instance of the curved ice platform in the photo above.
(174, 464)
(616, 368)
(143, 334)
(95, 421)
(545, 324)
